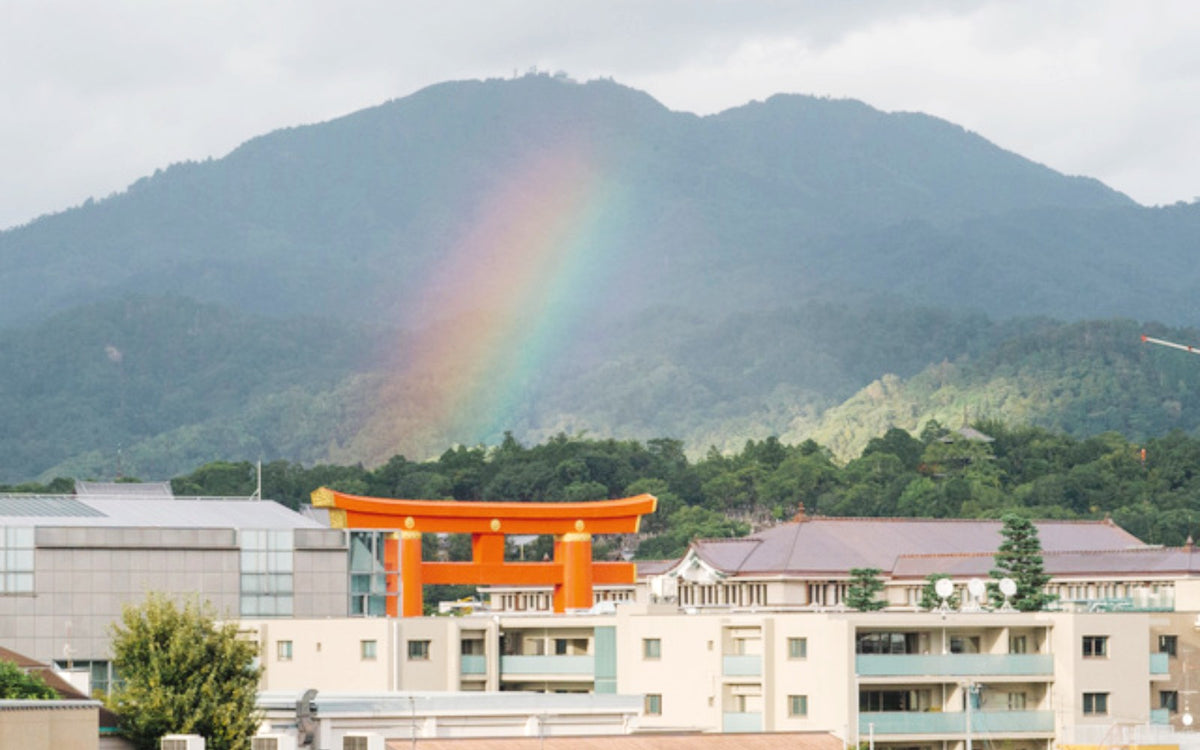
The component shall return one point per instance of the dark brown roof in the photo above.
(832, 546)
(66, 691)
(647, 741)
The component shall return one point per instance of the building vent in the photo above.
(273, 742)
(362, 741)
(181, 742)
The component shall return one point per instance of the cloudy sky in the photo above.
(94, 95)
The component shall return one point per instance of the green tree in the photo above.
(865, 584)
(17, 684)
(1020, 558)
(181, 671)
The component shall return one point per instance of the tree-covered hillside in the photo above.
(1149, 487)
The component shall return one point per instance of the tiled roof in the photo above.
(835, 545)
(1145, 560)
(642, 741)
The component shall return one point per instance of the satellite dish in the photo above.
(943, 588)
(976, 587)
(1008, 586)
(1186, 719)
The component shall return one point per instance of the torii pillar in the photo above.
(572, 573)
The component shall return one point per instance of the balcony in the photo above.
(954, 665)
(473, 664)
(742, 666)
(955, 722)
(741, 722)
(1160, 664)
(1160, 716)
(547, 665)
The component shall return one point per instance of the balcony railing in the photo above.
(953, 665)
(473, 664)
(1160, 663)
(741, 722)
(955, 722)
(547, 665)
(742, 666)
(1160, 716)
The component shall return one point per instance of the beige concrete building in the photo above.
(907, 679)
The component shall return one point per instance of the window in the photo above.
(283, 650)
(1169, 699)
(368, 579)
(887, 643)
(797, 648)
(1095, 647)
(418, 650)
(1016, 702)
(1168, 644)
(16, 560)
(651, 648)
(1095, 704)
(1018, 644)
(266, 573)
(368, 650)
(652, 705)
(797, 705)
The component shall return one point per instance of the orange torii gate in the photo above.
(571, 572)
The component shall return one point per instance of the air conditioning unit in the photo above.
(181, 742)
(362, 741)
(273, 742)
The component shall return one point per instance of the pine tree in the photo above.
(1020, 558)
(182, 672)
(865, 584)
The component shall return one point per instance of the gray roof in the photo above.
(125, 512)
(137, 490)
(833, 546)
(1150, 561)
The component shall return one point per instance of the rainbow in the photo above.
(513, 288)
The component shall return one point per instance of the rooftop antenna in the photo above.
(258, 486)
(1008, 587)
(944, 588)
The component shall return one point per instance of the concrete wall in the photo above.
(1123, 673)
(55, 726)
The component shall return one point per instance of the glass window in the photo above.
(1095, 646)
(367, 649)
(1169, 699)
(368, 581)
(16, 560)
(652, 648)
(1018, 644)
(266, 573)
(418, 650)
(797, 648)
(1168, 644)
(653, 704)
(1016, 701)
(1095, 704)
(797, 705)
(283, 650)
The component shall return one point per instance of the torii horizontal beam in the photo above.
(572, 573)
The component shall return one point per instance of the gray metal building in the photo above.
(69, 563)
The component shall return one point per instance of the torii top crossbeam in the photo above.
(572, 571)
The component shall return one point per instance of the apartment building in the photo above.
(903, 679)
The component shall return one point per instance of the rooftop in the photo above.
(127, 511)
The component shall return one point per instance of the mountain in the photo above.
(540, 255)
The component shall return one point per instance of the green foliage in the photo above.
(180, 671)
(1020, 558)
(685, 526)
(865, 586)
(17, 684)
